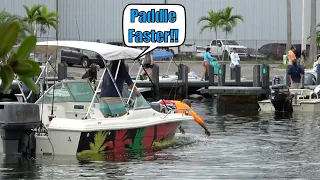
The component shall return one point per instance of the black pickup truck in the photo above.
(85, 58)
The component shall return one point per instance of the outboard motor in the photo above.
(16, 124)
(281, 98)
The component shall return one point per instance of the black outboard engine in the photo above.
(281, 98)
(16, 124)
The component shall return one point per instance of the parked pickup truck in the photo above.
(225, 47)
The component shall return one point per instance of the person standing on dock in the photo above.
(291, 55)
(295, 73)
(207, 57)
(148, 65)
(235, 60)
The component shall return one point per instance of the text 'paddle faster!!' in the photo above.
(154, 25)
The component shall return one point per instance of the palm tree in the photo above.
(229, 21)
(214, 22)
(32, 16)
(7, 18)
(47, 19)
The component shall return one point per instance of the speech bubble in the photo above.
(153, 25)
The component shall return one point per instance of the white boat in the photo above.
(304, 100)
(71, 122)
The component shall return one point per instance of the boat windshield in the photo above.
(69, 92)
(140, 102)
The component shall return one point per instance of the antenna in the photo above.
(77, 27)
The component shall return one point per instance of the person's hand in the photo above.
(207, 132)
(138, 94)
(181, 130)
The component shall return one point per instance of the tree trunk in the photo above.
(313, 33)
(217, 43)
(289, 24)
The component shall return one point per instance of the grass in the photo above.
(284, 66)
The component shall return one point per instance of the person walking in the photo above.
(295, 73)
(207, 57)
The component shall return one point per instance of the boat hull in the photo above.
(94, 144)
(312, 105)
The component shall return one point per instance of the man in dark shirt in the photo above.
(295, 73)
(111, 103)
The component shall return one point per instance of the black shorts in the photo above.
(148, 66)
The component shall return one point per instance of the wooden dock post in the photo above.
(211, 76)
(155, 80)
(237, 75)
(265, 74)
(222, 75)
(184, 76)
(256, 76)
(232, 74)
(318, 75)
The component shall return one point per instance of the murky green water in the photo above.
(243, 145)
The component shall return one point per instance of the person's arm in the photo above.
(199, 121)
(130, 83)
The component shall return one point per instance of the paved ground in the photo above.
(246, 69)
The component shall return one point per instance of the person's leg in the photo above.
(204, 69)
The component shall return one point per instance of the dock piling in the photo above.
(185, 87)
(232, 74)
(256, 76)
(237, 70)
(155, 79)
(222, 75)
(265, 74)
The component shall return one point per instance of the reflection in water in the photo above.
(243, 145)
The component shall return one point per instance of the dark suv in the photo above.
(273, 51)
(80, 57)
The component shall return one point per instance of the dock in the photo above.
(259, 86)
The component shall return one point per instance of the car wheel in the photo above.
(85, 62)
(70, 64)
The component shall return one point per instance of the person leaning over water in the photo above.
(111, 103)
(206, 62)
(295, 73)
(181, 106)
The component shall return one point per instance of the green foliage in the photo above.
(40, 15)
(6, 18)
(213, 20)
(228, 20)
(17, 62)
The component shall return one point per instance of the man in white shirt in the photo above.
(235, 59)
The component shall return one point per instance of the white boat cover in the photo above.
(107, 51)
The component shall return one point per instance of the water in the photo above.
(243, 145)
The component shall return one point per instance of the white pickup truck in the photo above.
(225, 47)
